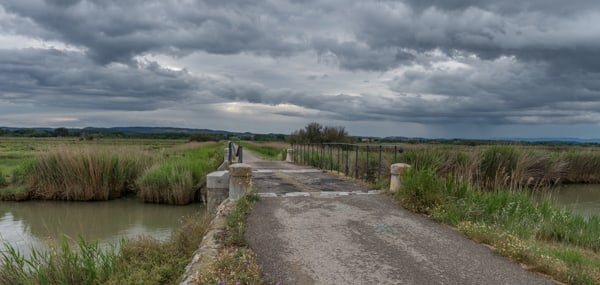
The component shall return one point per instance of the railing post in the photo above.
(229, 152)
(347, 169)
(367, 165)
(322, 165)
(395, 153)
(226, 156)
(379, 170)
(396, 171)
(356, 164)
(289, 157)
(240, 154)
(330, 158)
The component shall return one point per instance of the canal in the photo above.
(581, 198)
(38, 224)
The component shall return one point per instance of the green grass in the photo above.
(140, 260)
(268, 152)
(148, 261)
(177, 178)
(539, 234)
(88, 264)
(64, 169)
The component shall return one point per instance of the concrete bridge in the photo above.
(316, 228)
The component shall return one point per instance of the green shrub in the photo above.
(170, 182)
(421, 190)
(177, 179)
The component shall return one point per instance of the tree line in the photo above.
(317, 133)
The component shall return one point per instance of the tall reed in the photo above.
(85, 173)
(88, 264)
(177, 179)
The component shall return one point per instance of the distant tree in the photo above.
(335, 134)
(61, 132)
(202, 138)
(316, 133)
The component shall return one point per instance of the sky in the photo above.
(414, 68)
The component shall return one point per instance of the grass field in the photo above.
(267, 150)
(159, 171)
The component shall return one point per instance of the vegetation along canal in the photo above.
(43, 223)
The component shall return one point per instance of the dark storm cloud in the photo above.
(118, 30)
(558, 32)
(68, 79)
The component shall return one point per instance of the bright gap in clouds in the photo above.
(254, 109)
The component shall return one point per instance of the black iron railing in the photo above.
(361, 161)
(235, 151)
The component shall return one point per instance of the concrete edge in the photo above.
(209, 248)
(318, 194)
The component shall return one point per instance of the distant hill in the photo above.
(163, 132)
(156, 130)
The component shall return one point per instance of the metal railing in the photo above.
(235, 151)
(354, 160)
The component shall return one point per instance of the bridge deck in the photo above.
(315, 228)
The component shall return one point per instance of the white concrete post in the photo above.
(289, 155)
(396, 171)
(240, 180)
(217, 190)
(226, 154)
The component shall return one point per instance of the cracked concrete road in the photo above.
(361, 238)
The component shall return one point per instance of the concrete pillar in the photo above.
(217, 190)
(290, 155)
(240, 180)
(396, 171)
(226, 154)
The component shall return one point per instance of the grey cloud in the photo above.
(68, 79)
(527, 62)
(537, 31)
(115, 31)
(357, 56)
(499, 93)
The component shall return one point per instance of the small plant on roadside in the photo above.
(236, 220)
(236, 264)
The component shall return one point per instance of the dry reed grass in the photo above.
(85, 173)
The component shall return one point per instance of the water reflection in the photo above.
(581, 198)
(36, 223)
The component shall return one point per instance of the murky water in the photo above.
(582, 198)
(39, 223)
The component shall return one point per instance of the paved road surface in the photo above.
(313, 228)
